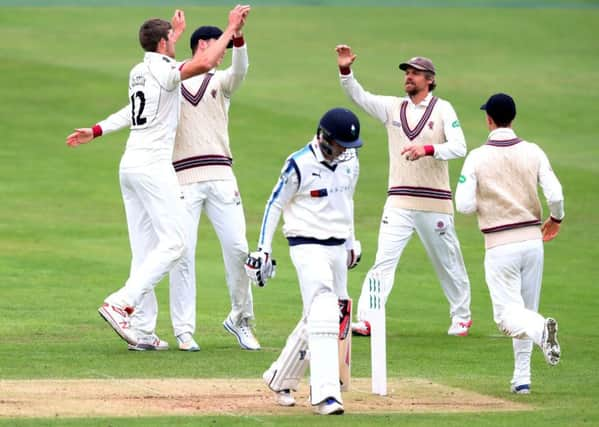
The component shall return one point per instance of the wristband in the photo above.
(97, 131)
(238, 42)
(429, 150)
(345, 70)
(557, 221)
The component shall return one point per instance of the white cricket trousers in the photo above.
(438, 236)
(322, 275)
(221, 201)
(155, 215)
(513, 273)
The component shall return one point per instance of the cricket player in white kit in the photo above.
(203, 161)
(499, 182)
(424, 133)
(151, 194)
(315, 195)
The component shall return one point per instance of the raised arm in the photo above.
(178, 24)
(375, 105)
(235, 74)
(206, 60)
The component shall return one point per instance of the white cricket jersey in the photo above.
(154, 110)
(499, 181)
(316, 199)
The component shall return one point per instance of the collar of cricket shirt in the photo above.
(423, 104)
(503, 137)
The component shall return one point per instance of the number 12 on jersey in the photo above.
(136, 118)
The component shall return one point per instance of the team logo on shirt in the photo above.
(455, 124)
(431, 124)
(461, 179)
(213, 93)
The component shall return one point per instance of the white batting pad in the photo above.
(288, 370)
(323, 332)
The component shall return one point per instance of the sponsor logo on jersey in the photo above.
(322, 192)
(461, 179)
(138, 80)
(455, 124)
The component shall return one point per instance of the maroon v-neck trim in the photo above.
(413, 133)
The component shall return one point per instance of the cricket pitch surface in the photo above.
(209, 396)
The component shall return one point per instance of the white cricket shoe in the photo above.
(459, 328)
(549, 344)
(118, 319)
(243, 333)
(361, 328)
(285, 398)
(520, 389)
(187, 343)
(149, 343)
(329, 406)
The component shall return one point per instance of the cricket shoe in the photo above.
(243, 333)
(149, 343)
(118, 319)
(520, 389)
(549, 344)
(285, 398)
(459, 328)
(361, 328)
(187, 343)
(329, 406)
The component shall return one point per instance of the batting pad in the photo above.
(288, 370)
(323, 332)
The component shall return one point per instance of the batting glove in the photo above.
(354, 255)
(260, 267)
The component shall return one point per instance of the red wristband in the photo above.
(345, 70)
(238, 41)
(429, 150)
(97, 131)
(557, 221)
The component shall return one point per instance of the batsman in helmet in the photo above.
(314, 194)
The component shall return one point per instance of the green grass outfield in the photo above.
(63, 237)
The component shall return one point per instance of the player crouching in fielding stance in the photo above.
(151, 194)
(499, 183)
(315, 194)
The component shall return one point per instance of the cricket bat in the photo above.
(345, 307)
